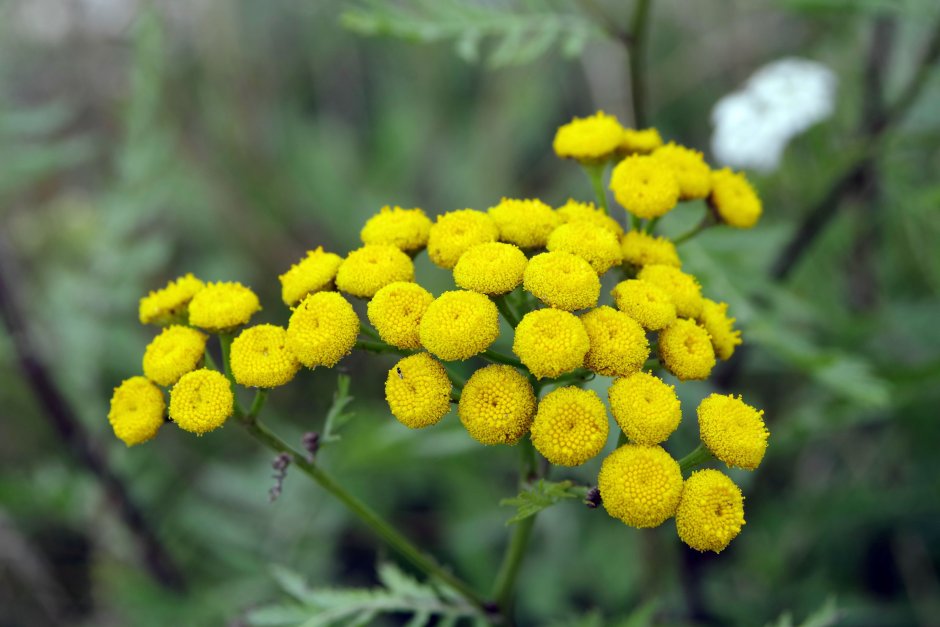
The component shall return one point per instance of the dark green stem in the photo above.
(375, 346)
(706, 222)
(522, 531)
(502, 303)
(595, 172)
(639, 30)
(225, 339)
(697, 457)
(499, 358)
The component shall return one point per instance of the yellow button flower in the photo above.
(396, 311)
(695, 177)
(368, 269)
(711, 512)
(618, 343)
(645, 186)
(418, 391)
(640, 249)
(733, 430)
(497, 405)
(734, 199)
(562, 280)
(645, 303)
(683, 289)
(640, 141)
(456, 231)
(525, 223)
(686, 350)
(173, 353)
(407, 229)
(260, 358)
(550, 342)
(136, 413)
(640, 485)
(458, 325)
(570, 426)
(168, 304)
(595, 244)
(322, 330)
(589, 139)
(720, 327)
(491, 268)
(313, 273)
(201, 401)
(221, 307)
(574, 211)
(646, 408)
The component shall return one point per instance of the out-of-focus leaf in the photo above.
(540, 495)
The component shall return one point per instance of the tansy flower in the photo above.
(525, 223)
(640, 485)
(396, 310)
(589, 139)
(322, 330)
(640, 141)
(490, 268)
(368, 269)
(595, 244)
(201, 401)
(418, 391)
(260, 358)
(711, 511)
(562, 280)
(686, 350)
(136, 413)
(458, 325)
(734, 200)
(550, 342)
(496, 405)
(574, 211)
(313, 273)
(169, 303)
(640, 249)
(644, 186)
(645, 407)
(694, 175)
(406, 229)
(173, 353)
(618, 343)
(683, 289)
(720, 327)
(223, 306)
(645, 303)
(570, 426)
(456, 231)
(733, 430)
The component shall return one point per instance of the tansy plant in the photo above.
(537, 267)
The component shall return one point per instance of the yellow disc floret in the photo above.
(173, 353)
(711, 511)
(137, 408)
(640, 485)
(525, 223)
(456, 231)
(618, 342)
(686, 351)
(201, 401)
(223, 306)
(406, 229)
(396, 311)
(368, 269)
(574, 211)
(645, 303)
(733, 430)
(260, 358)
(595, 244)
(491, 268)
(734, 199)
(694, 175)
(646, 408)
(640, 249)
(550, 342)
(458, 325)
(418, 391)
(562, 280)
(640, 141)
(169, 304)
(313, 273)
(589, 139)
(645, 186)
(720, 327)
(570, 426)
(322, 330)
(683, 289)
(497, 405)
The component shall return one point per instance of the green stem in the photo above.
(457, 380)
(706, 222)
(652, 224)
(374, 346)
(499, 358)
(225, 339)
(621, 439)
(258, 403)
(639, 29)
(697, 457)
(522, 531)
(367, 330)
(506, 310)
(595, 172)
(635, 223)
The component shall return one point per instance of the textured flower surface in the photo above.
(491, 268)
(646, 408)
(711, 511)
(223, 306)
(407, 229)
(314, 273)
(588, 139)
(169, 304)
(570, 426)
(368, 269)
(525, 223)
(574, 211)
(720, 327)
(693, 174)
(595, 244)
(618, 343)
(641, 249)
(322, 330)
(201, 401)
(551, 342)
(645, 303)
(683, 289)
(734, 199)
(260, 357)
(686, 350)
(640, 141)
(733, 430)
(456, 231)
(458, 325)
(173, 353)
(562, 280)
(497, 405)
(418, 391)
(396, 311)
(137, 409)
(645, 186)
(640, 485)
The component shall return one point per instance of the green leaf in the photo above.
(337, 417)
(540, 495)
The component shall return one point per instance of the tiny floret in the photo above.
(618, 343)
(396, 311)
(686, 350)
(589, 139)
(720, 327)
(260, 357)
(137, 409)
(497, 405)
(640, 485)
(683, 289)
(574, 211)
(456, 231)
(458, 325)
(734, 199)
(314, 273)
(406, 229)
(595, 244)
(694, 175)
(525, 223)
(491, 268)
(570, 426)
(201, 401)
(418, 391)
(322, 330)
(733, 430)
(645, 303)
(368, 269)
(173, 353)
(550, 342)
(562, 280)
(640, 141)
(645, 186)
(223, 306)
(711, 511)
(646, 408)
(169, 304)
(641, 249)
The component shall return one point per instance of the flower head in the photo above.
(646, 408)
(686, 350)
(734, 199)
(406, 229)
(640, 485)
(458, 325)
(574, 211)
(694, 175)
(418, 391)
(322, 330)
(589, 139)
(260, 357)
(645, 186)
(223, 306)
(645, 303)
(168, 304)
(733, 430)
(595, 244)
(396, 311)
(683, 289)
(497, 405)
(618, 343)
(490, 268)
(201, 401)
(136, 413)
(562, 280)
(570, 426)
(711, 511)
(640, 141)
(173, 353)
(456, 231)
(313, 273)
(720, 327)
(641, 249)
(550, 342)
(525, 223)
(368, 269)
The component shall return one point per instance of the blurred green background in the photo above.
(142, 141)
